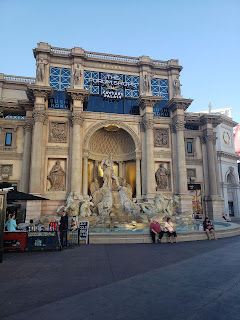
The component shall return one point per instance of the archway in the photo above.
(123, 143)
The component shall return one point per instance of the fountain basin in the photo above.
(141, 235)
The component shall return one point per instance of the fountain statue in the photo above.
(111, 204)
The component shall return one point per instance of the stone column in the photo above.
(138, 178)
(147, 103)
(26, 161)
(120, 165)
(78, 96)
(40, 94)
(76, 122)
(177, 106)
(209, 137)
(85, 173)
(214, 204)
(36, 163)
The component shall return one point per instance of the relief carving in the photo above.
(58, 132)
(161, 138)
(161, 176)
(191, 173)
(6, 171)
(56, 177)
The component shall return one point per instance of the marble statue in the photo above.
(161, 177)
(146, 83)
(40, 70)
(108, 173)
(176, 88)
(77, 75)
(85, 210)
(56, 177)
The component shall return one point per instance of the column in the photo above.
(76, 159)
(85, 174)
(78, 96)
(36, 163)
(177, 107)
(39, 94)
(26, 161)
(138, 178)
(147, 103)
(120, 165)
(209, 137)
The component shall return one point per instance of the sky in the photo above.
(203, 35)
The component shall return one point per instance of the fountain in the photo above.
(111, 204)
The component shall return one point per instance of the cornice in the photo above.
(10, 155)
(179, 104)
(148, 101)
(215, 120)
(77, 94)
(228, 155)
(35, 90)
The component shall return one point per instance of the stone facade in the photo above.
(84, 105)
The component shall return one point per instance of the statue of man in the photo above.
(161, 177)
(40, 70)
(108, 173)
(176, 87)
(77, 75)
(146, 83)
(56, 177)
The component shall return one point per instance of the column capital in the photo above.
(138, 155)
(85, 154)
(77, 94)
(147, 122)
(208, 135)
(35, 91)
(148, 101)
(214, 120)
(76, 118)
(40, 116)
(178, 104)
(28, 126)
(177, 123)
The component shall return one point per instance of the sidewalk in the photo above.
(191, 280)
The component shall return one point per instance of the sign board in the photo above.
(83, 230)
(46, 240)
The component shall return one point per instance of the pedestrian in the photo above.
(155, 229)
(11, 224)
(170, 230)
(208, 227)
(63, 228)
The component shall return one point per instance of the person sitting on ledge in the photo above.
(155, 229)
(208, 227)
(170, 230)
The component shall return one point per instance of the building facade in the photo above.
(82, 106)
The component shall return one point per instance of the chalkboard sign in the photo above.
(83, 230)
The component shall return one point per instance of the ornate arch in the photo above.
(93, 128)
(231, 174)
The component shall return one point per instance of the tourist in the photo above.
(11, 224)
(155, 229)
(208, 227)
(63, 228)
(170, 230)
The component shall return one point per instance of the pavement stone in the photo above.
(189, 280)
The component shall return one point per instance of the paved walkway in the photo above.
(189, 280)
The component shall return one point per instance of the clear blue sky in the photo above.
(203, 35)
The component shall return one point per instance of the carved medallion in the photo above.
(58, 132)
(161, 138)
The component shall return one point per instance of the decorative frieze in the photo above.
(193, 161)
(76, 119)
(6, 171)
(161, 138)
(57, 132)
(191, 173)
